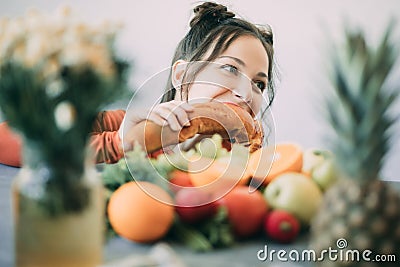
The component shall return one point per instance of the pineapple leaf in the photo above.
(358, 111)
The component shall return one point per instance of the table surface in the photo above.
(242, 254)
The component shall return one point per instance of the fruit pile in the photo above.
(210, 196)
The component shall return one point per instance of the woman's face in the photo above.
(238, 75)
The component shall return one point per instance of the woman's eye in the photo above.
(230, 68)
(261, 85)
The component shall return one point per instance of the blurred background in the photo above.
(302, 33)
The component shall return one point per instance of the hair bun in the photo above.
(211, 13)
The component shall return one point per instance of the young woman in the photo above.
(220, 49)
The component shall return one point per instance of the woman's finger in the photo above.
(170, 112)
(186, 106)
(181, 110)
(170, 117)
(157, 119)
(181, 116)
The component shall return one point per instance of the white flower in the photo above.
(55, 88)
(49, 42)
(3, 26)
(14, 33)
(52, 68)
(37, 47)
(65, 115)
(63, 12)
(98, 58)
(19, 52)
(34, 20)
(73, 56)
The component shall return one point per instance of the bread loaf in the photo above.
(229, 120)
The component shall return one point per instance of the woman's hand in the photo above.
(173, 114)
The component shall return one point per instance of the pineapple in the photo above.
(360, 211)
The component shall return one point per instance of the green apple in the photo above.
(178, 160)
(239, 151)
(313, 157)
(296, 193)
(324, 174)
(211, 147)
(208, 148)
(318, 164)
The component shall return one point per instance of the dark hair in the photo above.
(214, 26)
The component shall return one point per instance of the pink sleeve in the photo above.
(104, 140)
(106, 147)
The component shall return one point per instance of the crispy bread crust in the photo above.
(226, 119)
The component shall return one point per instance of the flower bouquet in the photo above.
(56, 73)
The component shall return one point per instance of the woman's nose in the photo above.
(244, 91)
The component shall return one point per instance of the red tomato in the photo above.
(281, 226)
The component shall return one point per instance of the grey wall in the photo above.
(302, 31)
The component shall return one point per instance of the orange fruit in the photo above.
(215, 174)
(138, 211)
(266, 164)
(179, 179)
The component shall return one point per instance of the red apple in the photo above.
(246, 210)
(193, 205)
(281, 226)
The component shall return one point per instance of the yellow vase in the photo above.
(58, 214)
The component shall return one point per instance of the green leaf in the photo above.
(190, 237)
